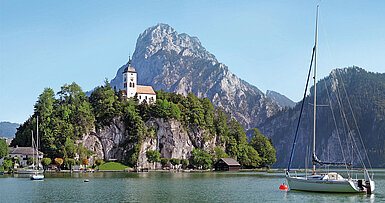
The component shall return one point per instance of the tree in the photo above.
(201, 159)
(31, 161)
(153, 156)
(99, 162)
(175, 162)
(7, 163)
(59, 162)
(164, 161)
(16, 160)
(185, 163)
(105, 103)
(69, 162)
(45, 162)
(85, 162)
(264, 147)
(4, 149)
(249, 157)
(219, 154)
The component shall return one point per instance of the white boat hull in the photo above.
(37, 177)
(304, 184)
(29, 171)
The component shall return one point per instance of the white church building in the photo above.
(131, 88)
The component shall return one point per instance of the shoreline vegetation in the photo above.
(68, 115)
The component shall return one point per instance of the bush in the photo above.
(59, 162)
(164, 161)
(85, 162)
(45, 162)
(69, 162)
(175, 162)
(99, 162)
(201, 159)
(185, 162)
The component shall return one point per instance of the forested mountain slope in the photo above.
(366, 93)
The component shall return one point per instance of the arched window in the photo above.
(133, 84)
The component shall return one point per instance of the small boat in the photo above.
(37, 176)
(331, 181)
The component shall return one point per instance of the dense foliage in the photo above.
(4, 149)
(201, 159)
(66, 116)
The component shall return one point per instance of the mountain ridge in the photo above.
(8, 129)
(366, 94)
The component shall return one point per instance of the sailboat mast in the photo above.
(33, 152)
(315, 88)
(37, 141)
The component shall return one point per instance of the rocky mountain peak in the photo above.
(179, 63)
(163, 37)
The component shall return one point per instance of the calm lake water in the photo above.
(169, 187)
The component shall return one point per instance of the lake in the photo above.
(169, 187)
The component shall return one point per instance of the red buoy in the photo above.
(283, 187)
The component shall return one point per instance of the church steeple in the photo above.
(130, 79)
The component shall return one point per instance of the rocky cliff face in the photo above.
(172, 140)
(366, 93)
(179, 63)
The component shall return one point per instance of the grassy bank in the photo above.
(113, 166)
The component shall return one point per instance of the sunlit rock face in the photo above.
(179, 63)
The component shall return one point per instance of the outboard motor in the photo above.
(359, 184)
(369, 184)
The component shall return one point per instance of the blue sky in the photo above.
(267, 43)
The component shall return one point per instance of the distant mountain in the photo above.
(281, 99)
(366, 93)
(179, 63)
(8, 129)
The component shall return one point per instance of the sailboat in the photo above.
(37, 173)
(330, 181)
(32, 170)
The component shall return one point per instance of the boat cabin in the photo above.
(326, 176)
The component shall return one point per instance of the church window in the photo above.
(140, 97)
(133, 84)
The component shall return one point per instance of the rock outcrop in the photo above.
(171, 139)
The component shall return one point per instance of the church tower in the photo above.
(130, 80)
